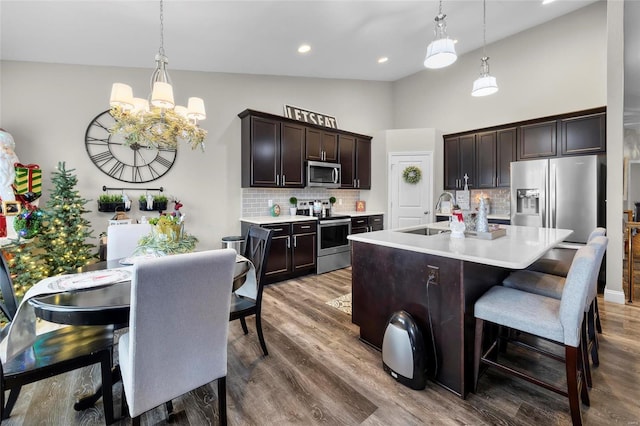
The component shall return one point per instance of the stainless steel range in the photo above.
(334, 249)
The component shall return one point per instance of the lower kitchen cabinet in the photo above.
(293, 249)
(361, 224)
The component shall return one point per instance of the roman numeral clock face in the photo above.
(135, 163)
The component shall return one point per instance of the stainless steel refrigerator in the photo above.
(557, 193)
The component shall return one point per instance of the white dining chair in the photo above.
(122, 240)
(178, 327)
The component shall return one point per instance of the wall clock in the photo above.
(135, 163)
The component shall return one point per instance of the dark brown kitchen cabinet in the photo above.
(583, 135)
(304, 246)
(362, 224)
(355, 161)
(272, 153)
(538, 140)
(293, 249)
(506, 140)
(321, 145)
(459, 160)
(486, 160)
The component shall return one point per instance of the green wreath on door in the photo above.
(412, 175)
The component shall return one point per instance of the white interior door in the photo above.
(410, 204)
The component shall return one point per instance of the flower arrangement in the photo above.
(167, 237)
(157, 128)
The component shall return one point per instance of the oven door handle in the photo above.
(325, 223)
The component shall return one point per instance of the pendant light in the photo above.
(485, 84)
(441, 52)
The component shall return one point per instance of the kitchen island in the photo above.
(390, 271)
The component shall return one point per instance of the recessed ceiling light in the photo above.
(382, 60)
(547, 1)
(455, 41)
(304, 48)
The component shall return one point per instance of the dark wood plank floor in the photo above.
(318, 372)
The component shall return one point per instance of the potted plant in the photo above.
(159, 203)
(332, 201)
(110, 203)
(293, 210)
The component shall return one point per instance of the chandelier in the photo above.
(157, 121)
(485, 84)
(441, 52)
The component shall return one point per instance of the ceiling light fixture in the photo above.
(485, 84)
(382, 60)
(157, 122)
(547, 1)
(304, 48)
(441, 52)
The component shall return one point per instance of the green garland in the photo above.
(412, 175)
(160, 129)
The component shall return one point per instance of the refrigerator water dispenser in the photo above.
(528, 201)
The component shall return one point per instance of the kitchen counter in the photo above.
(360, 214)
(496, 216)
(518, 249)
(261, 220)
(437, 280)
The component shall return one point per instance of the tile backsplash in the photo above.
(499, 199)
(255, 200)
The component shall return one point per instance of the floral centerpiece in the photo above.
(167, 237)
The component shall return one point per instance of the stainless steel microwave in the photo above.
(323, 175)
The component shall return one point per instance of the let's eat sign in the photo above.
(312, 117)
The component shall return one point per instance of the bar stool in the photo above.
(553, 286)
(556, 320)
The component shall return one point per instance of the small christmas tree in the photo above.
(65, 231)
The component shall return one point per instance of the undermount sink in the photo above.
(424, 231)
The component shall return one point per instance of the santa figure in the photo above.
(8, 159)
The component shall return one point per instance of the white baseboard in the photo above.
(615, 296)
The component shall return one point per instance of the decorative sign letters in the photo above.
(311, 117)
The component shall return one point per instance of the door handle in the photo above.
(283, 181)
(288, 241)
(277, 180)
(295, 241)
(427, 212)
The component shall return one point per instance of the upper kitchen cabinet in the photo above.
(355, 162)
(537, 140)
(584, 134)
(486, 160)
(321, 145)
(272, 153)
(505, 154)
(579, 133)
(460, 160)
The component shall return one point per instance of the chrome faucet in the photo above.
(440, 199)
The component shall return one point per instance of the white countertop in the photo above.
(261, 220)
(499, 216)
(360, 214)
(518, 249)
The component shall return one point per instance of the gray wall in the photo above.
(47, 109)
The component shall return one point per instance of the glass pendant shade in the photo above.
(485, 84)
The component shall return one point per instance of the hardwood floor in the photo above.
(318, 372)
